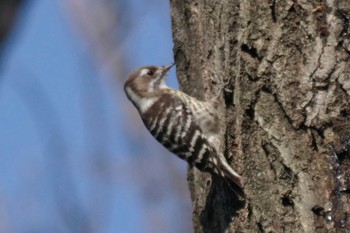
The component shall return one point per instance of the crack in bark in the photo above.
(342, 15)
(251, 51)
(273, 11)
(340, 166)
(260, 227)
(313, 140)
(318, 210)
(267, 153)
(342, 88)
(347, 51)
(287, 200)
(289, 119)
(250, 112)
(333, 69)
(318, 64)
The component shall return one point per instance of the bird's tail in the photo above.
(230, 177)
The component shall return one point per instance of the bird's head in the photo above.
(144, 83)
(147, 79)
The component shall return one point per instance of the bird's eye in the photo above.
(150, 72)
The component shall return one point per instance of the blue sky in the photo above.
(65, 149)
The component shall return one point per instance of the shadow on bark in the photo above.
(217, 220)
(341, 193)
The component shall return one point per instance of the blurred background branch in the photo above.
(8, 13)
(102, 25)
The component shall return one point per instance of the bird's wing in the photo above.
(172, 121)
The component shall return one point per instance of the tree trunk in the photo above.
(287, 116)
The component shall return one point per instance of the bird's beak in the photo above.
(168, 67)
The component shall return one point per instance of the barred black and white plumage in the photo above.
(184, 125)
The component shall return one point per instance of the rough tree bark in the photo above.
(287, 118)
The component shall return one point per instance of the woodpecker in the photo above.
(184, 125)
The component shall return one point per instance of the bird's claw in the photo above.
(221, 84)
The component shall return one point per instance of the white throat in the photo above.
(162, 84)
(142, 103)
